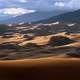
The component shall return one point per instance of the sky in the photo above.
(20, 7)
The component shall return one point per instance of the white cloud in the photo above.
(47, 4)
(59, 4)
(15, 11)
(75, 4)
(71, 4)
(22, 1)
(54, 4)
(42, 5)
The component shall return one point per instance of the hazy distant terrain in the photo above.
(32, 17)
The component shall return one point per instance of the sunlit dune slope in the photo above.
(60, 60)
(41, 40)
(15, 38)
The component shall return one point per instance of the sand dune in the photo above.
(51, 67)
(39, 69)
(19, 50)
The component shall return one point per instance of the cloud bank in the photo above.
(18, 7)
(15, 11)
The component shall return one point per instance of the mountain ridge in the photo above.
(32, 17)
(66, 17)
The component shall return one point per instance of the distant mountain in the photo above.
(67, 17)
(32, 17)
(4, 17)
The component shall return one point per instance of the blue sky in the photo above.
(19, 7)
